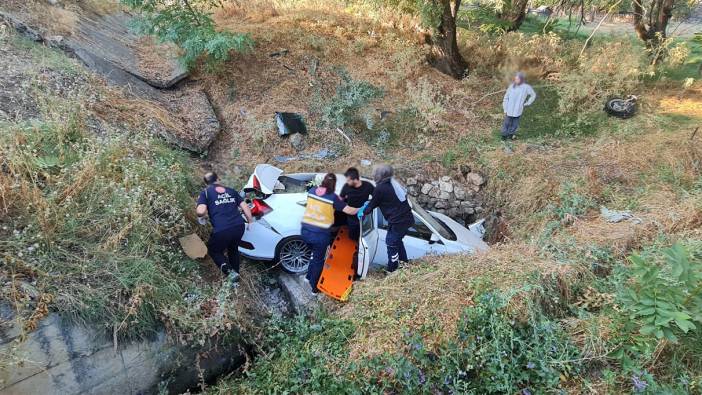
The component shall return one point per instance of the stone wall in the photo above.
(458, 197)
(62, 358)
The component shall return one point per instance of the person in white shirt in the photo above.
(518, 95)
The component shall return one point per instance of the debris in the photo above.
(615, 216)
(297, 141)
(475, 179)
(276, 54)
(193, 246)
(343, 134)
(366, 162)
(319, 155)
(289, 123)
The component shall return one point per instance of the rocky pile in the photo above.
(458, 198)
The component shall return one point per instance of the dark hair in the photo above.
(352, 173)
(210, 178)
(329, 182)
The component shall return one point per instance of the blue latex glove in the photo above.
(359, 214)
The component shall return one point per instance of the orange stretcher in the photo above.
(337, 274)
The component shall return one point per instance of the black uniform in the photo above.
(355, 197)
(400, 218)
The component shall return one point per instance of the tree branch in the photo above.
(598, 26)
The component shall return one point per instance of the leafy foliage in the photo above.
(491, 353)
(350, 97)
(188, 24)
(666, 301)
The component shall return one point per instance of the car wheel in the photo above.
(293, 254)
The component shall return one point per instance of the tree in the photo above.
(513, 13)
(651, 20)
(440, 16)
(189, 25)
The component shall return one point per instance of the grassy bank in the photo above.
(91, 209)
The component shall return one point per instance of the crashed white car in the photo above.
(279, 201)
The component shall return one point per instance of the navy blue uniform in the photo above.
(227, 225)
(399, 215)
(319, 239)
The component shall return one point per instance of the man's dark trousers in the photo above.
(227, 239)
(396, 248)
(509, 126)
(354, 227)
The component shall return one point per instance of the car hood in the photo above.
(464, 236)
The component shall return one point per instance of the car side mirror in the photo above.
(434, 239)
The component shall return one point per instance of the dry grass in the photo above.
(428, 298)
(320, 37)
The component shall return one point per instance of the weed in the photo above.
(191, 28)
(351, 96)
(665, 301)
(490, 353)
(429, 102)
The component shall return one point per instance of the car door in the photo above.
(418, 241)
(369, 243)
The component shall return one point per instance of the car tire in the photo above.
(293, 255)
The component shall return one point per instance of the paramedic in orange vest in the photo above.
(317, 222)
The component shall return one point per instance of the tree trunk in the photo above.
(653, 30)
(444, 55)
(514, 14)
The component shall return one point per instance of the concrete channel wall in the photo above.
(62, 358)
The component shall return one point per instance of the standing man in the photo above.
(222, 204)
(355, 192)
(518, 95)
(391, 197)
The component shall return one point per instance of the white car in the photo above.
(279, 201)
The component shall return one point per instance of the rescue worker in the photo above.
(391, 197)
(355, 192)
(317, 222)
(222, 204)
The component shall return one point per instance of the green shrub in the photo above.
(189, 26)
(491, 353)
(665, 300)
(350, 97)
(611, 68)
(300, 355)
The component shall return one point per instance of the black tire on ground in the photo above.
(293, 254)
(620, 108)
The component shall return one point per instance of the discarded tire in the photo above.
(620, 108)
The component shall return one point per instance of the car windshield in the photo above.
(443, 230)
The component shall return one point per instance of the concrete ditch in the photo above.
(60, 357)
